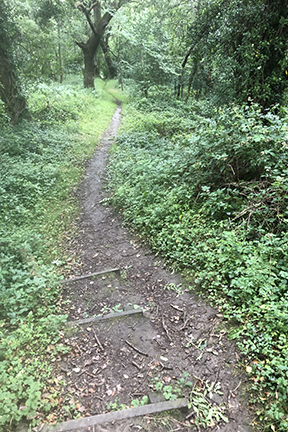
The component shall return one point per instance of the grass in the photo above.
(42, 164)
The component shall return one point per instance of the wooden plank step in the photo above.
(109, 417)
(109, 316)
(89, 275)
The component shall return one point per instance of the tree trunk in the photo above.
(15, 104)
(89, 48)
(60, 54)
(111, 66)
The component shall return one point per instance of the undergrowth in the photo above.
(41, 165)
(208, 189)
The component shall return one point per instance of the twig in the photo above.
(92, 375)
(89, 275)
(97, 340)
(190, 415)
(186, 322)
(236, 388)
(165, 367)
(165, 328)
(93, 307)
(98, 397)
(176, 307)
(136, 365)
(215, 382)
(136, 349)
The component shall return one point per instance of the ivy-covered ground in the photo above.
(207, 188)
(41, 162)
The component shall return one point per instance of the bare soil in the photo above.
(179, 336)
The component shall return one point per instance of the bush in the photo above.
(211, 197)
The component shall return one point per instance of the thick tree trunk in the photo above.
(89, 48)
(15, 104)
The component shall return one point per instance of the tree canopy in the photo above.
(241, 47)
(233, 50)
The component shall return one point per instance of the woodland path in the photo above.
(179, 336)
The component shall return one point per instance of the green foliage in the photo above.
(25, 367)
(44, 42)
(136, 402)
(213, 201)
(207, 414)
(238, 50)
(41, 163)
(148, 43)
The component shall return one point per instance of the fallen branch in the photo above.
(136, 349)
(165, 367)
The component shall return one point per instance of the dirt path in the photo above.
(177, 341)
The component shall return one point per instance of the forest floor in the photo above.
(179, 341)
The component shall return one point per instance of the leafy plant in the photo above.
(213, 202)
(41, 164)
(206, 413)
(143, 401)
(115, 406)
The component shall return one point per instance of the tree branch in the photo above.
(187, 56)
(82, 45)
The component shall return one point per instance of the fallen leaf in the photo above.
(81, 409)
(167, 379)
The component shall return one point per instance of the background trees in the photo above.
(240, 47)
(10, 92)
(233, 50)
(102, 13)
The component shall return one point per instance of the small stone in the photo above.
(216, 398)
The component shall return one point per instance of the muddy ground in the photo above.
(177, 346)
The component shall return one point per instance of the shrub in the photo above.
(211, 197)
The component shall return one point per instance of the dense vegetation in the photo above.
(200, 168)
(208, 188)
(41, 162)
